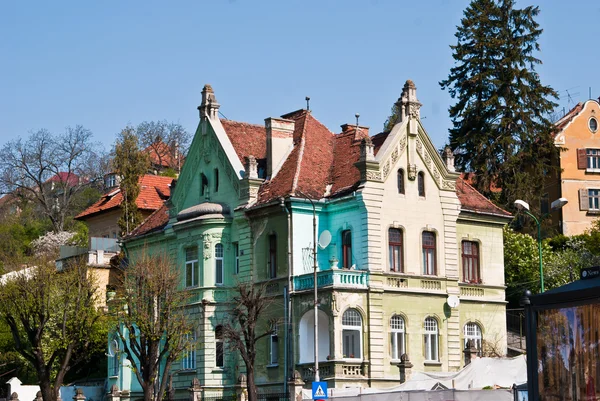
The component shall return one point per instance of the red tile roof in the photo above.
(473, 201)
(567, 118)
(155, 222)
(247, 139)
(69, 178)
(154, 191)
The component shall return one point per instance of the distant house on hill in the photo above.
(102, 217)
(164, 156)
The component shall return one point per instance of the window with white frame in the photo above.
(219, 347)
(114, 358)
(189, 354)
(219, 264)
(274, 346)
(594, 199)
(472, 331)
(431, 339)
(352, 334)
(429, 250)
(398, 336)
(593, 158)
(236, 254)
(191, 266)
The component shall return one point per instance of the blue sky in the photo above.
(106, 64)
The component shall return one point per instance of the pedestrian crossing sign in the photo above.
(319, 390)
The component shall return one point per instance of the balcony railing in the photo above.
(333, 278)
(334, 369)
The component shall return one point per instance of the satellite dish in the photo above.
(324, 239)
(453, 301)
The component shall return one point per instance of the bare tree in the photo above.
(248, 324)
(167, 142)
(153, 324)
(51, 169)
(53, 320)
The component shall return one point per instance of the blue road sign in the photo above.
(319, 390)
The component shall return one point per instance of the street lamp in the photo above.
(524, 206)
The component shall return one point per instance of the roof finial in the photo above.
(357, 116)
(307, 98)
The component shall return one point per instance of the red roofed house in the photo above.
(410, 256)
(102, 217)
(579, 180)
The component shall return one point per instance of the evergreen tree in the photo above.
(500, 131)
(130, 163)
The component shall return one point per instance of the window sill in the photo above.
(432, 363)
(272, 365)
(187, 371)
(471, 283)
(113, 377)
(218, 370)
(592, 170)
(594, 211)
(352, 360)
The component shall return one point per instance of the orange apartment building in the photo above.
(578, 138)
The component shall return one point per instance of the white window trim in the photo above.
(432, 334)
(359, 329)
(188, 362)
(193, 264)
(593, 131)
(274, 345)
(394, 340)
(478, 336)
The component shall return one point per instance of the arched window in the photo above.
(219, 264)
(398, 336)
(431, 339)
(274, 346)
(114, 358)
(401, 181)
(421, 183)
(347, 249)
(472, 331)
(429, 251)
(395, 249)
(219, 349)
(203, 185)
(352, 334)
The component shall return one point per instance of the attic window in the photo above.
(593, 125)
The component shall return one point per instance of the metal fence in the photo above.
(438, 395)
(219, 396)
(272, 396)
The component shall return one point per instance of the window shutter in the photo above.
(581, 159)
(583, 199)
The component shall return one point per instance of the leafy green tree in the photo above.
(130, 163)
(500, 127)
(152, 322)
(51, 316)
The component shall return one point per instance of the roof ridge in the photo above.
(241, 122)
(300, 155)
(133, 232)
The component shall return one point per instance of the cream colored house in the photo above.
(414, 266)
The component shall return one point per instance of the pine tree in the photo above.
(130, 163)
(501, 131)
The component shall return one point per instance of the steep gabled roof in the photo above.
(472, 200)
(567, 118)
(154, 191)
(247, 139)
(307, 168)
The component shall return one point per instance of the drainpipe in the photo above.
(289, 353)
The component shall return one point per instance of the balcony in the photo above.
(336, 278)
(338, 369)
(98, 254)
(409, 283)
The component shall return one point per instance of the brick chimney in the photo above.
(280, 140)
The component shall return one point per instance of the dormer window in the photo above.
(110, 181)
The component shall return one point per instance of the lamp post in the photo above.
(524, 206)
(316, 299)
